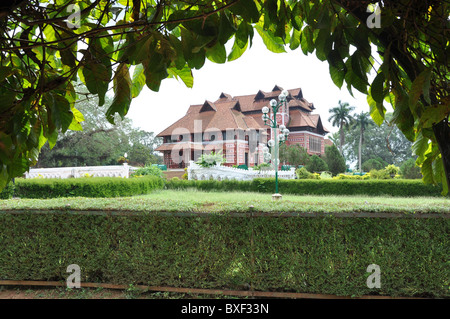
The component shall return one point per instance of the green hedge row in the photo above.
(86, 187)
(328, 255)
(113, 187)
(7, 192)
(394, 187)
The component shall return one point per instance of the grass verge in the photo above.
(222, 202)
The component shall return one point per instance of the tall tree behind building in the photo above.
(100, 142)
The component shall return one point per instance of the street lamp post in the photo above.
(277, 139)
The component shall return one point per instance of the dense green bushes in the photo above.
(371, 187)
(113, 186)
(8, 191)
(86, 187)
(296, 254)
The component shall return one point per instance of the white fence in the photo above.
(218, 172)
(69, 172)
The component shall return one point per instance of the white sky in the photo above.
(257, 69)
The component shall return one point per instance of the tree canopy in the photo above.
(385, 142)
(100, 143)
(341, 117)
(47, 46)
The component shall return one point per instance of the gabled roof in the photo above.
(225, 96)
(208, 106)
(244, 112)
(277, 88)
(213, 116)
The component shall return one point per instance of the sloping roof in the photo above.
(221, 115)
(244, 112)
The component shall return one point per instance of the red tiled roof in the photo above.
(244, 112)
(220, 115)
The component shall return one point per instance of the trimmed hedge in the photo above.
(114, 186)
(86, 187)
(8, 191)
(393, 187)
(327, 255)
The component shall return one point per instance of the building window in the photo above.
(315, 144)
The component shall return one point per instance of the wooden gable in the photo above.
(208, 106)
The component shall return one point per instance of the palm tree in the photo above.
(341, 117)
(362, 121)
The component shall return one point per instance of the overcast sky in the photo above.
(257, 69)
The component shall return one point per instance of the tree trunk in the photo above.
(341, 137)
(359, 150)
(442, 134)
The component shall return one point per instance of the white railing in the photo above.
(218, 172)
(74, 172)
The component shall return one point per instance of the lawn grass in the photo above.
(221, 202)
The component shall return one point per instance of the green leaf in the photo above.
(434, 114)
(122, 93)
(357, 66)
(226, 28)
(138, 81)
(295, 39)
(52, 138)
(184, 74)
(217, 53)
(427, 171)
(42, 139)
(5, 72)
(78, 117)
(272, 43)
(337, 75)
(377, 111)
(197, 60)
(306, 40)
(377, 87)
(420, 147)
(236, 51)
(142, 49)
(177, 46)
(96, 77)
(421, 85)
(61, 114)
(402, 115)
(242, 34)
(247, 10)
(296, 18)
(323, 44)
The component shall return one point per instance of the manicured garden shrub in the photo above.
(87, 187)
(8, 191)
(303, 173)
(370, 187)
(327, 255)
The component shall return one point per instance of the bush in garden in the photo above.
(87, 187)
(392, 170)
(371, 164)
(151, 170)
(335, 161)
(410, 170)
(316, 164)
(379, 174)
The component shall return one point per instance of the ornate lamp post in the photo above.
(277, 138)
